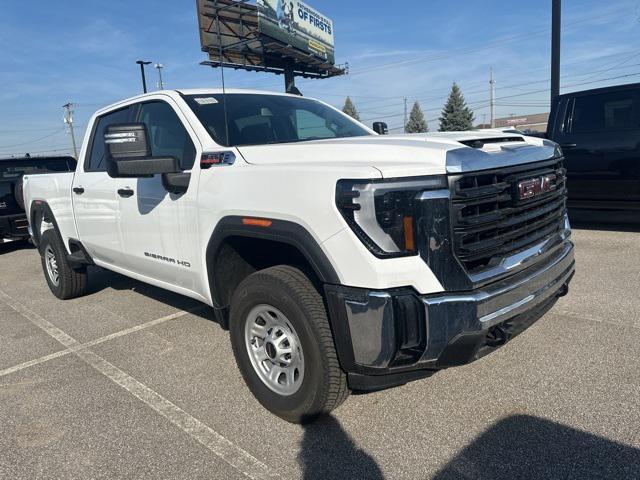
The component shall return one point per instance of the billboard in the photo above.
(299, 25)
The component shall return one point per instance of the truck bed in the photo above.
(54, 189)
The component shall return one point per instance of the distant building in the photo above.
(535, 123)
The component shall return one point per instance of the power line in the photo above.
(379, 103)
(466, 50)
(58, 148)
(59, 130)
(477, 105)
(30, 130)
(506, 87)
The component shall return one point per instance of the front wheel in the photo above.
(64, 282)
(283, 345)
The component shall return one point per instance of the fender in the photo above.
(280, 231)
(77, 256)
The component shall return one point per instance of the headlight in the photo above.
(382, 213)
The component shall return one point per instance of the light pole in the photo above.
(142, 63)
(492, 103)
(556, 25)
(159, 67)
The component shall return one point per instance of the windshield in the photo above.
(12, 168)
(267, 119)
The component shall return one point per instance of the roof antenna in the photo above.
(224, 93)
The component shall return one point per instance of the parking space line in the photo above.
(98, 341)
(235, 456)
(37, 361)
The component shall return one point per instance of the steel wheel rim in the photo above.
(274, 349)
(52, 265)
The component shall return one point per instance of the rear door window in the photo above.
(605, 112)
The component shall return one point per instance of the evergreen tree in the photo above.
(417, 122)
(350, 109)
(456, 116)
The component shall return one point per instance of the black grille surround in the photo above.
(489, 221)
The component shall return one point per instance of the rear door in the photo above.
(601, 141)
(95, 200)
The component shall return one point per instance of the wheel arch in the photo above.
(236, 249)
(39, 211)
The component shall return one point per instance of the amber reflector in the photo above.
(256, 222)
(409, 243)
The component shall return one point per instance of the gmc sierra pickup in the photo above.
(338, 259)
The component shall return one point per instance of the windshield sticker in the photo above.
(206, 100)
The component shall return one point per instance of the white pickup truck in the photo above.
(339, 259)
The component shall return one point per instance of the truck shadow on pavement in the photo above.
(517, 447)
(327, 451)
(101, 279)
(528, 447)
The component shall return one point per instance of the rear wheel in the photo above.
(18, 190)
(283, 345)
(64, 281)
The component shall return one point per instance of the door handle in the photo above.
(78, 190)
(125, 192)
(569, 146)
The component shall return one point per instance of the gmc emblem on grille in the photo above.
(535, 187)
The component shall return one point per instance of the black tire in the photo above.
(18, 193)
(71, 282)
(324, 384)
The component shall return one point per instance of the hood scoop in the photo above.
(480, 143)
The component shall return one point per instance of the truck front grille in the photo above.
(489, 219)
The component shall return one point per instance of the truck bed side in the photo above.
(54, 190)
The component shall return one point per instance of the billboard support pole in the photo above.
(289, 79)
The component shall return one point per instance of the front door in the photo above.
(95, 203)
(159, 229)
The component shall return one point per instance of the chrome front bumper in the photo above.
(500, 301)
(397, 331)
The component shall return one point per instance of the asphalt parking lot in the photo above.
(135, 382)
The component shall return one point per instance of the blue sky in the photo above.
(83, 51)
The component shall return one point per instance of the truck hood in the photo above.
(408, 155)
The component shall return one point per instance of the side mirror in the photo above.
(129, 155)
(380, 128)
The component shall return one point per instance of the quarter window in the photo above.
(605, 112)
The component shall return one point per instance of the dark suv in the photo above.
(13, 221)
(599, 131)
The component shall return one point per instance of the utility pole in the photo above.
(159, 67)
(68, 119)
(492, 86)
(142, 63)
(556, 26)
(405, 115)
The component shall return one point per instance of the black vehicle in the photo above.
(13, 221)
(599, 131)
